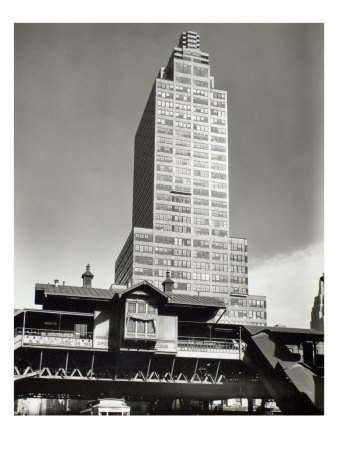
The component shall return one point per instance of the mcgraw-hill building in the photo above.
(181, 191)
(180, 327)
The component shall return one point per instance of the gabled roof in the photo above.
(179, 299)
(145, 284)
(108, 294)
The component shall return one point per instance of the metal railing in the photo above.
(66, 338)
(37, 336)
(202, 344)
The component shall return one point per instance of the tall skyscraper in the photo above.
(181, 190)
(317, 313)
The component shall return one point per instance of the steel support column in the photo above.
(250, 405)
(40, 365)
(92, 365)
(148, 368)
(66, 365)
(219, 362)
(172, 367)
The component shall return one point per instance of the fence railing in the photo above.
(36, 336)
(66, 338)
(202, 344)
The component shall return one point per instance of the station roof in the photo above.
(91, 293)
(194, 300)
(75, 291)
(252, 329)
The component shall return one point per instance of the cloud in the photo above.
(290, 283)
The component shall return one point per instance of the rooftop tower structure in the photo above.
(181, 191)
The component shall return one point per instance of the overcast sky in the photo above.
(80, 90)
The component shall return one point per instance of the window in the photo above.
(202, 212)
(183, 107)
(218, 175)
(201, 287)
(132, 307)
(201, 155)
(201, 276)
(180, 115)
(199, 243)
(202, 192)
(218, 148)
(143, 237)
(201, 71)
(201, 83)
(201, 101)
(201, 110)
(165, 131)
(143, 248)
(218, 95)
(218, 157)
(166, 104)
(202, 231)
(201, 265)
(141, 307)
(183, 80)
(165, 94)
(150, 327)
(183, 89)
(182, 286)
(200, 119)
(182, 152)
(220, 278)
(218, 139)
(201, 183)
(201, 201)
(220, 245)
(141, 326)
(218, 194)
(143, 271)
(221, 290)
(164, 149)
(162, 112)
(183, 68)
(201, 254)
(80, 329)
(200, 92)
(131, 326)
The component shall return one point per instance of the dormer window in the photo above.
(140, 319)
(141, 307)
(131, 307)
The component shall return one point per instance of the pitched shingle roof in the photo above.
(194, 300)
(108, 294)
(75, 291)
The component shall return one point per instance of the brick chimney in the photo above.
(168, 285)
(87, 277)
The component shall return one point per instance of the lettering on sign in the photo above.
(101, 342)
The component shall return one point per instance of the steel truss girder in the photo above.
(116, 374)
(62, 370)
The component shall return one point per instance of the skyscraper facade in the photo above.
(181, 190)
(317, 313)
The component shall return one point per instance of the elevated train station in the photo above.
(141, 343)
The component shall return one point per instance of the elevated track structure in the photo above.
(144, 344)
